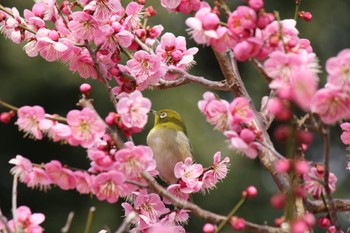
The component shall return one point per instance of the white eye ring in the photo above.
(163, 115)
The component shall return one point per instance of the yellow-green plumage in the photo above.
(169, 142)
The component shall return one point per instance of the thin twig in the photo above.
(317, 206)
(3, 220)
(123, 228)
(14, 202)
(331, 207)
(69, 221)
(90, 220)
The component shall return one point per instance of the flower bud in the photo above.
(237, 224)
(85, 89)
(278, 200)
(324, 222)
(208, 228)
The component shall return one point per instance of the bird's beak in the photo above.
(154, 112)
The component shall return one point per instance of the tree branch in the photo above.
(317, 206)
(230, 71)
(202, 213)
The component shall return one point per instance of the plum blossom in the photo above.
(174, 53)
(314, 181)
(38, 178)
(202, 27)
(83, 26)
(244, 141)
(86, 127)
(84, 65)
(108, 186)
(240, 111)
(215, 110)
(10, 26)
(331, 103)
(22, 168)
(149, 208)
(218, 171)
(103, 9)
(189, 173)
(345, 136)
(146, 68)
(29, 118)
(83, 182)
(338, 69)
(133, 109)
(133, 160)
(62, 177)
(27, 221)
(242, 21)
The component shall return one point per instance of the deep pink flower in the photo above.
(331, 104)
(146, 68)
(62, 177)
(189, 173)
(83, 182)
(244, 142)
(38, 178)
(314, 182)
(86, 127)
(345, 136)
(215, 110)
(338, 69)
(203, 26)
(133, 109)
(240, 111)
(133, 160)
(108, 186)
(242, 21)
(83, 26)
(29, 119)
(22, 168)
(26, 221)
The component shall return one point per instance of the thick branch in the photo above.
(340, 205)
(204, 214)
(230, 71)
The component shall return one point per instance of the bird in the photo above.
(169, 142)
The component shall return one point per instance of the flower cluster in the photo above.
(92, 40)
(235, 120)
(332, 102)
(83, 126)
(26, 221)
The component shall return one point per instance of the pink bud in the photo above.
(247, 135)
(279, 109)
(5, 117)
(208, 228)
(309, 219)
(53, 35)
(237, 224)
(332, 229)
(305, 15)
(210, 21)
(278, 221)
(281, 133)
(278, 200)
(301, 167)
(114, 71)
(282, 165)
(256, 4)
(176, 55)
(85, 89)
(305, 137)
(324, 222)
(251, 192)
(150, 11)
(38, 10)
(299, 226)
(111, 118)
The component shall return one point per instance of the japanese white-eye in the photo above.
(169, 142)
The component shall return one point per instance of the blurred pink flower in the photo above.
(314, 182)
(26, 221)
(345, 136)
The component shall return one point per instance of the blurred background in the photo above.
(33, 81)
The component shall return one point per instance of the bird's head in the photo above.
(169, 119)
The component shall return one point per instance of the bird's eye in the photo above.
(163, 115)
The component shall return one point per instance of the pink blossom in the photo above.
(50, 46)
(83, 26)
(171, 228)
(133, 160)
(248, 48)
(187, 6)
(331, 104)
(83, 182)
(83, 64)
(215, 110)
(22, 168)
(225, 39)
(338, 69)
(10, 26)
(203, 26)
(62, 177)
(133, 109)
(240, 111)
(108, 186)
(175, 189)
(314, 182)
(103, 9)
(171, 5)
(174, 53)
(345, 136)
(86, 127)
(242, 21)
(244, 142)
(101, 160)
(218, 171)
(256, 4)
(59, 132)
(146, 68)
(189, 173)
(38, 178)
(29, 119)
(133, 19)
(26, 221)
